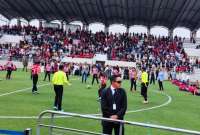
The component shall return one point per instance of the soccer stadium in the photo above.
(100, 67)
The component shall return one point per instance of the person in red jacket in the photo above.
(35, 72)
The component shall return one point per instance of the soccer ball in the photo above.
(88, 86)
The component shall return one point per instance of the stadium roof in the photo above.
(168, 13)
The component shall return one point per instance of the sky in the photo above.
(116, 28)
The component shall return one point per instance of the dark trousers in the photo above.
(25, 68)
(109, 126)
(144, 91)
(95, 77)
(35, 80)
(101, 89)
(156, 76)
(160, 85)
(9, 72)
(152, 80)
(133, 82)
(58, 97)
(47, 73)
(197, 94)
(67, 75)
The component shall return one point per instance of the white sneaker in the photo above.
(35, 92)
(145, 102)
(55, 108)
(61, 110)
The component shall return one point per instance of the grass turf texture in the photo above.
(182, 112)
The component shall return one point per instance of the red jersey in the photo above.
(35, 70)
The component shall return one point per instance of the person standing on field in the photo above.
(58, 80)
(35, 72)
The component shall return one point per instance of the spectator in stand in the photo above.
(9, 66)
(47, 71)
(161, 79)
(35, 72)
(95, 74)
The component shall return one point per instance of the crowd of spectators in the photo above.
(48, 43)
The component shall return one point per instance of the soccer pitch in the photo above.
(20, 108)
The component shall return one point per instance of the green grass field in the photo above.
(19, 108)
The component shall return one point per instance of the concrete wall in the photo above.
(93, 61)
(17, 63)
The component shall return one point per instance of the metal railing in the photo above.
(122, 122)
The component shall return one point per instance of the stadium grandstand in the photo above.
(152, 45)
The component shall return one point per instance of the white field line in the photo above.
(155, 107)
(21, 90)
(131, 111)
(149, 108)
(25, 89)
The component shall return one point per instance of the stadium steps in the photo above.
(196, 75)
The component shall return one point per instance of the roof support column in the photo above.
(193, 36)
(106, 29)
(85, 27)
(40, 24)
(127, 29)
(9, 21)
(148, 31)
(62, 25)
(18, 22)
(170, 33)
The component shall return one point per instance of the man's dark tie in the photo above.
(115, 92)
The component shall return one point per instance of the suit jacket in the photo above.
(107, 101)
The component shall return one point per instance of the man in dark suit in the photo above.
(113, 105)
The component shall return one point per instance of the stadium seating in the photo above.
(48, 43)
